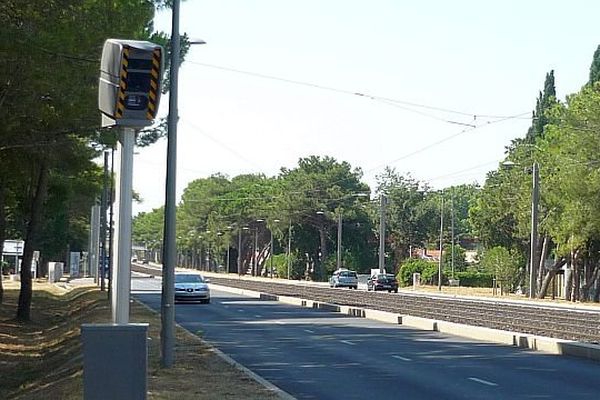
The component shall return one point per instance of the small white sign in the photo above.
(13, 247)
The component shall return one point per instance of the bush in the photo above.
(297, 266)
(475, 278)
(427, 269)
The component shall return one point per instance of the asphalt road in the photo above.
(314, 354)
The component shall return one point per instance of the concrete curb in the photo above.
(521, 340)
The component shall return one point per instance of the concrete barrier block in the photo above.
(583, 350)
(383, 316)
(477, 332)
(419, 323)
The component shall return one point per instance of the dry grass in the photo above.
(43, 359)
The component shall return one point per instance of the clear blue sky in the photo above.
(476, 57)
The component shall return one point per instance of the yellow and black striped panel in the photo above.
(154, 78)
(122, 83)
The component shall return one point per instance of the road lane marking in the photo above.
(348, 342)
(402, 358)
(482, 381)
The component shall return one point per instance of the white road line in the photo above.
(402, 358)
(483, 382)
(348, 342)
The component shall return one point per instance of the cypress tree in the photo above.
(545, 101)
(595, 67)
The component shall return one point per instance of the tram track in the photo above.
(558, 323)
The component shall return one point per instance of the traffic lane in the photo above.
(316, 354)
(364, 358)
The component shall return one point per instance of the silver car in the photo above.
(191, 287)
(344, 278)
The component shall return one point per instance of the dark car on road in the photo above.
(383, 282)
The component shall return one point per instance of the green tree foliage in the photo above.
(595, 68)
(49, 65)
(460, 264)
(314, 194)
(564, 143)
(503, 264)
(546, 100)
(410, 219)
(427, 269)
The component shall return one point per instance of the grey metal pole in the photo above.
(441, 243)
(103, 208)
(239, 255)
(228, 250)
(169, 250)
(289, 261)
(535, 198)
(271, 257)
(452, 215)
(122, 278)
(339, 240)
(111, 232)
(254, 255)
(382, 233)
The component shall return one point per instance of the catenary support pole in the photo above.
(170, 251)
(289, 250)
(382, 201)
(339, 240)
(441, 243)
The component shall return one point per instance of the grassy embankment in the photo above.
(43, 358)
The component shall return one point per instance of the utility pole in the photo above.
(339, 240)
(167, 314)
(441, 243)
(535, 198)
(382, 201)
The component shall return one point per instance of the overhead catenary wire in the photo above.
(347, 92)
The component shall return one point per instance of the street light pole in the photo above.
(169, 258)
(535, 198)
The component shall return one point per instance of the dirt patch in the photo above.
(43, 358)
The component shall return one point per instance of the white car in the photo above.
(191, 287)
